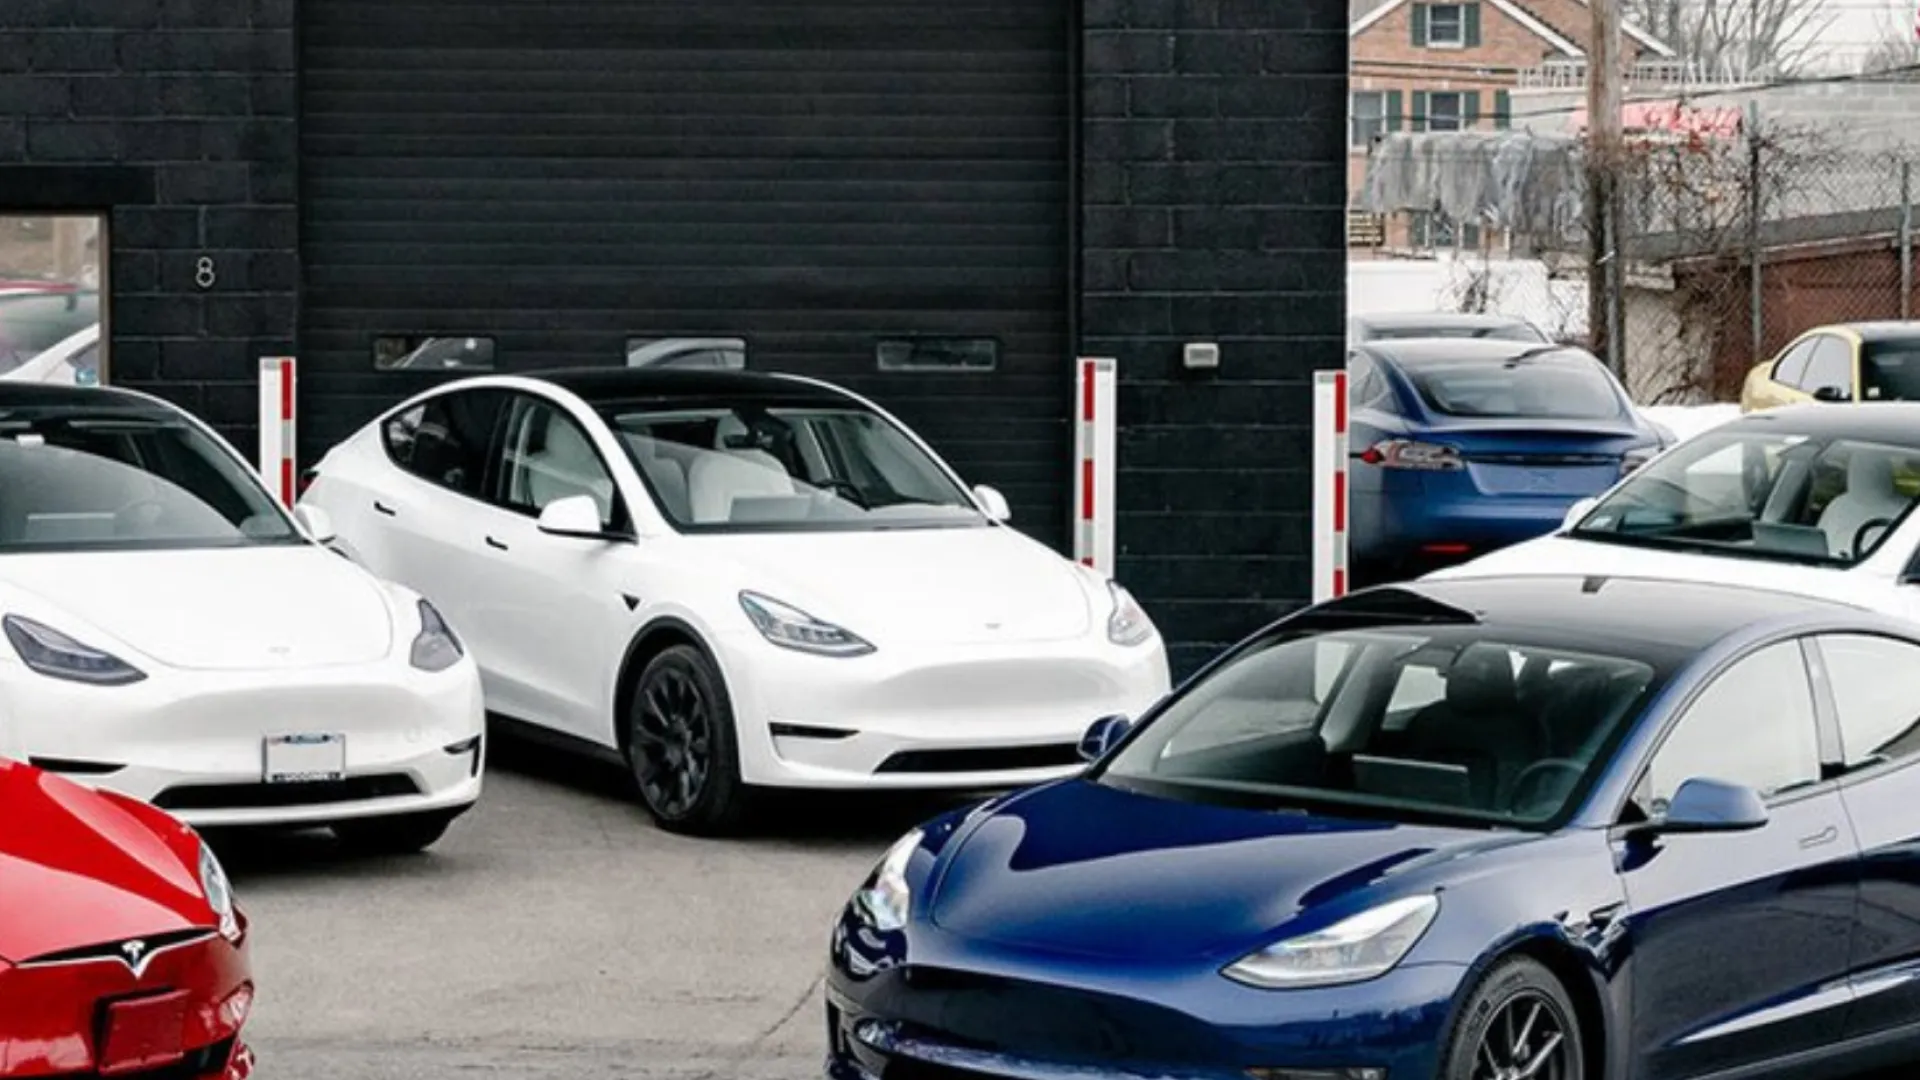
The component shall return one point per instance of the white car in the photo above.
(173, 634)
(733, 581)
(73, 361)
(1810, 499)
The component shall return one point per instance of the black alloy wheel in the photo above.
(1518, 1024)
(681, 745)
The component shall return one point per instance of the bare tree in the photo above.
(1737, 38)
(1897, 52)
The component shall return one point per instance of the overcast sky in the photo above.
(1857, 25)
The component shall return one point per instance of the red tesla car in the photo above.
(122, 953)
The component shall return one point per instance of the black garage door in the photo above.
(825, 179)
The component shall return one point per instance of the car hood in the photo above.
(1083, 868)
(81, 868)
(919, 586)
(215, 609)
(1596, 558)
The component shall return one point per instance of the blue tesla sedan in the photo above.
(1550, 828)
(1463, 446)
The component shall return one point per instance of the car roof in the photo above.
(54, 397)
(620, 384)
(1415, 352)
(1893, 422)
(1404, 319)
(1661, 616)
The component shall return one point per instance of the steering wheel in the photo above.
(1860, 534)
(1532, 774)
(846, 489)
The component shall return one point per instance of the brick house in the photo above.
(1422, 66)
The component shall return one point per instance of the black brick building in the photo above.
(1063, 177)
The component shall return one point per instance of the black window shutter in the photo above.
(1419, 26)
(1470, 14)
(1502, 109)
(1469, 109)
(1419, 110)
(1395, 117)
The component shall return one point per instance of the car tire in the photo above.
(1519, 999)
(401, 834)
(682, 748)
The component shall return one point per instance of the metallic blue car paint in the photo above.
(1074, 926)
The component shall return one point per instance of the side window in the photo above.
(1791, 370)
(1830, 367)
(444, 440)
(1753, 725)
(548, 456)
(1876, 691)
(1369, 387)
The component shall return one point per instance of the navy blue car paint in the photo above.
(1076, 926)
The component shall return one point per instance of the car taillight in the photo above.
(1408, 454)
(1637, 457)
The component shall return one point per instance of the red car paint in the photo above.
(84, 872)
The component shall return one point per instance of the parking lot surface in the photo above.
(555, 932)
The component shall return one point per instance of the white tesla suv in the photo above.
(733, 581)
(173, 634)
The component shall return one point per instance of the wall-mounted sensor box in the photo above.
(1201, 354)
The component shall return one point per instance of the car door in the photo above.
(418, 512)
(1873, 686)
(555, 612)
(1738, 941)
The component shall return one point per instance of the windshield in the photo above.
(94, 482)
(1410, 722)
(1765, 495)
(1890, 371)
(749, 468)
(1559, 385)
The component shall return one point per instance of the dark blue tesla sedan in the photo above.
(1463, 446)
(1550, 828)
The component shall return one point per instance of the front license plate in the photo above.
(147, 1033)
(305, 759)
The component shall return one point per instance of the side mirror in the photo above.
(317, 523)
(1104, 735)
(1577, 511)
(1831, 394)
(1703, 805)
(574, 515)
(992, 503)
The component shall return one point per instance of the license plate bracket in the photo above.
(304, 758)
(143, 1033)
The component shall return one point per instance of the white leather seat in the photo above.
(716, 479)
(566, 465)
(1870, 496)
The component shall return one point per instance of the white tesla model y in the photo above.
(174, 635)
(733, 581)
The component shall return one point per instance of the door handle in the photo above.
(1825, 836)
(383, 508)
(492, 543)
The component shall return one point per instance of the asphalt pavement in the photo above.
(555, 932)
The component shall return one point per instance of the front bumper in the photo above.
(948, 1008)
(193, 743)
(56, 1013)
(980, 716)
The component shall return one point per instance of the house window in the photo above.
(1446, 111)
(1437, 232)
(1446, 25)
(1369, 117)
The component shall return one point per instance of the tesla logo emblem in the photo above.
(135, 954)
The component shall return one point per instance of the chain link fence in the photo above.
(1732, 242)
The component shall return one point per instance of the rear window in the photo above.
(1538, 387)
(1890, 371)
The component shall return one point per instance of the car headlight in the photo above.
(435, 648)
(219, 893)
(54, 654)
(790, 628)
(886, 900)
(1128, 625)
(1352, 950)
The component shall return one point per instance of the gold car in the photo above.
(1842, 362)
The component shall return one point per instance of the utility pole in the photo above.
(1606, 270)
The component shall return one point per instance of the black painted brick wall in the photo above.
(179, 117)
(1213, 182)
